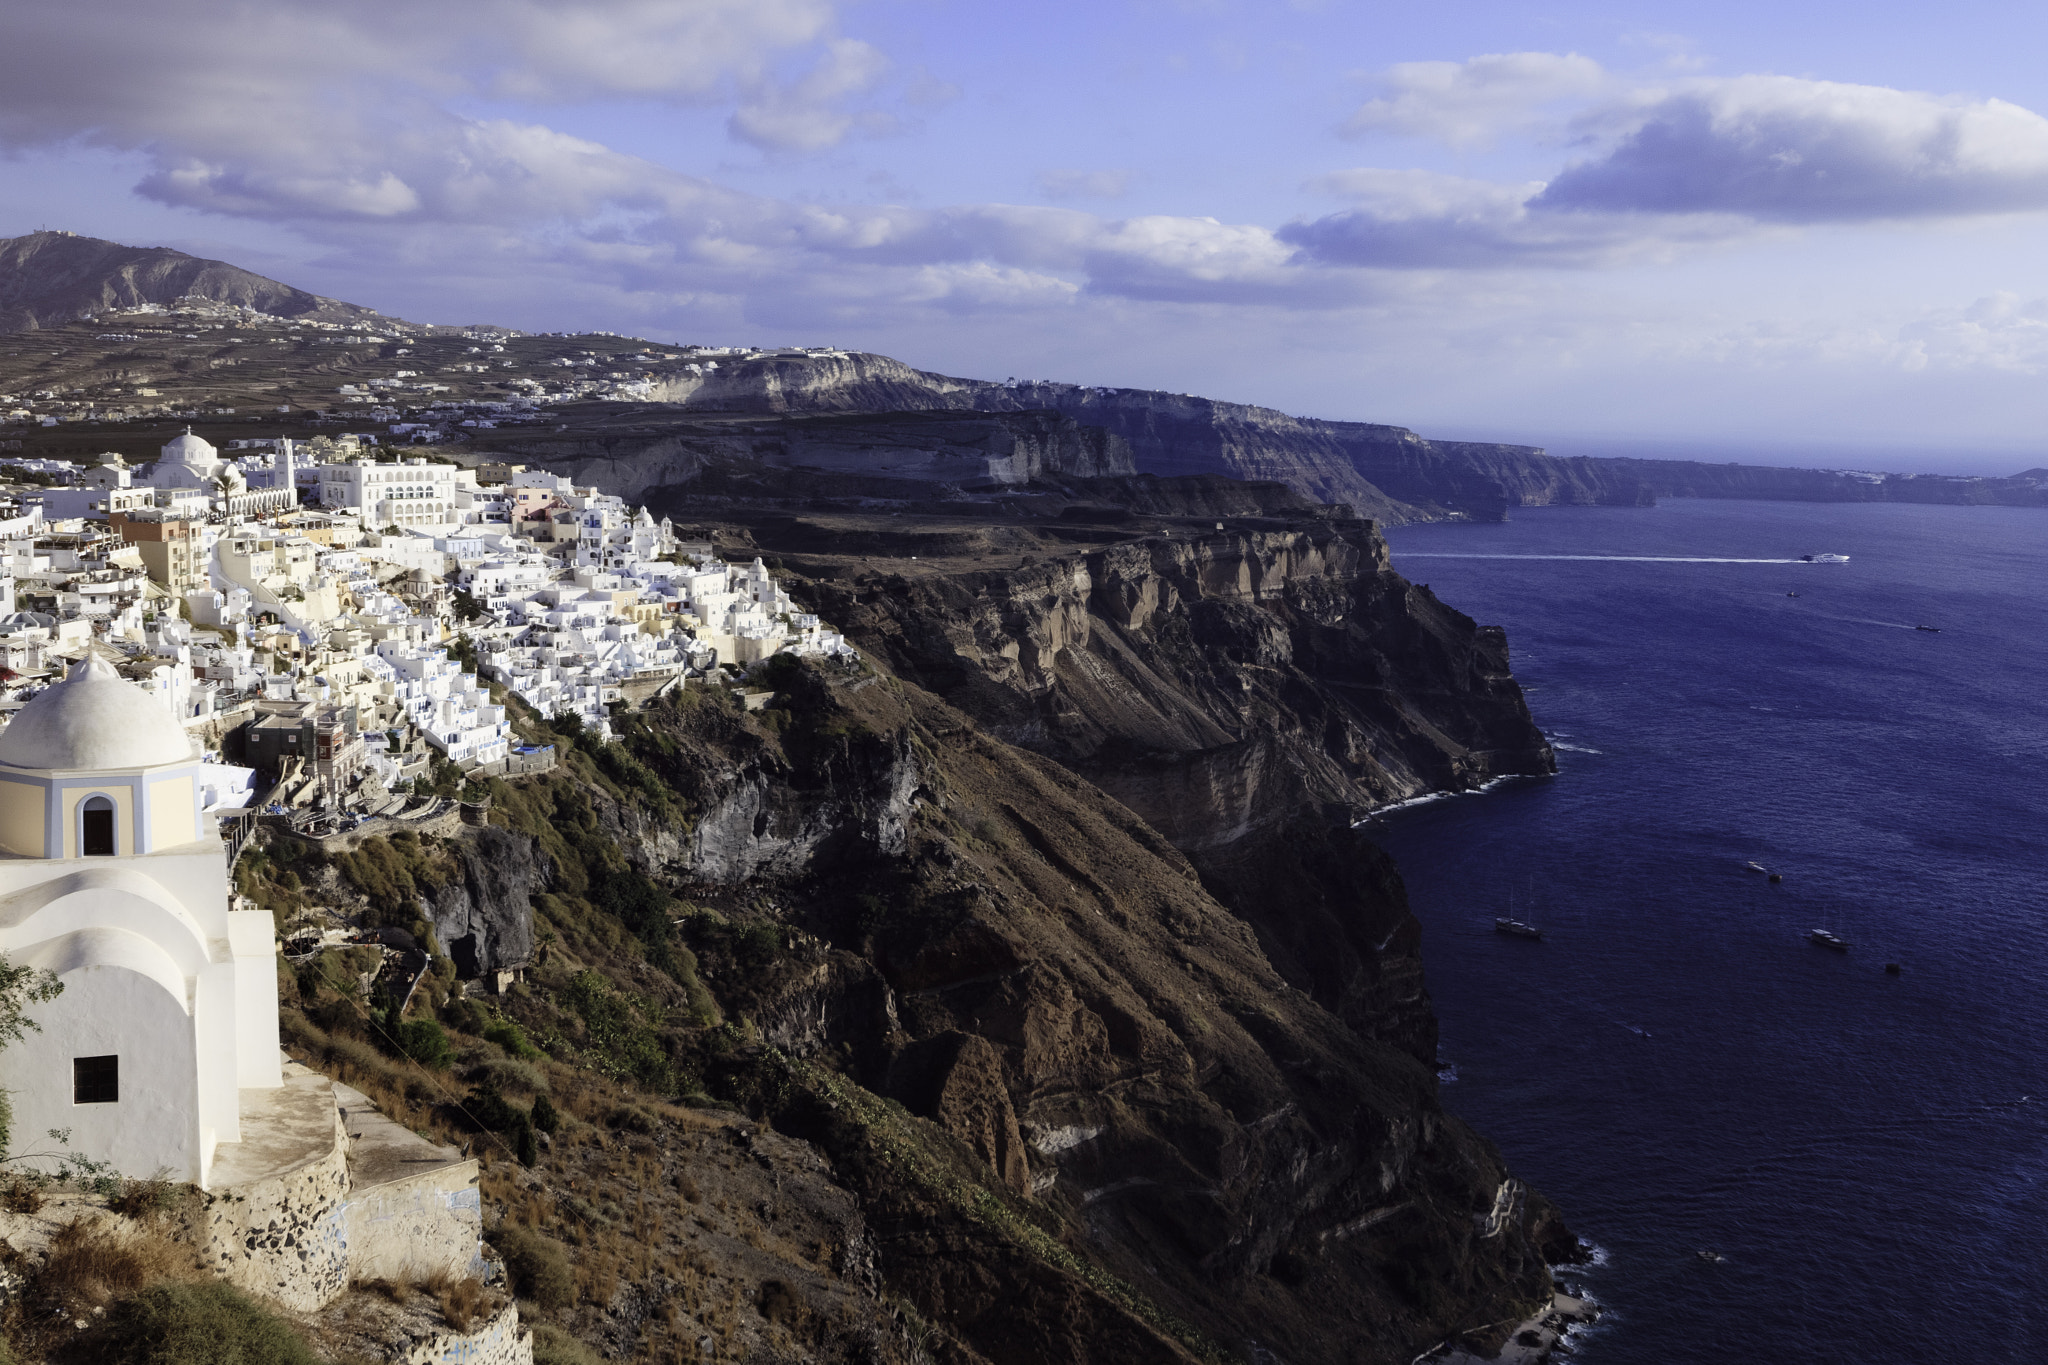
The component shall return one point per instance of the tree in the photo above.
(20, 987)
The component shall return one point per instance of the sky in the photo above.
(1804, 233)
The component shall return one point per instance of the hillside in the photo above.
(51, 278)
(879, 1030)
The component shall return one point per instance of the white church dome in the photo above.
(95, 719)
(194, 452)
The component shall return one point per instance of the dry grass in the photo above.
(91, 1263)
(461, 1299)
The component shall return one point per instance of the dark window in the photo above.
(95, 1080)
(96, 828)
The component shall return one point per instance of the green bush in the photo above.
(489, 1109)
(513, 1039)
(623, 1030)
(538, 1266)
(426, 1042)
(526, 1146)
(209, 1323)
(546, 1117)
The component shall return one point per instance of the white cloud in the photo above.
(1474, 102)
(810, 114)
(1781, 149)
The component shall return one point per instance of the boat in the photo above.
(1891, 969)
(1791, 594)
(1756, 867)
(1827, 940)
(1823, 559)
(1931, 630)
(1774, 879)
(1517, 928)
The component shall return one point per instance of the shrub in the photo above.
(461, 1012)
(513, 1039)
(545, 1116)
(553, 1346)
(426, 1042)
(537, 1264)
(459, 1299)
(488, 1108)
(526, 1146)
(502, 1073)
(209, 1323)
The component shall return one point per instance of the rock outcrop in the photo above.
(484, 920)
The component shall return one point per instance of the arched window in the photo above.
(96, 828)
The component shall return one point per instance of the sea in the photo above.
(1780, 1152)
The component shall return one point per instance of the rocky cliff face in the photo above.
(1249, 695)
(49, 278)
(1385, 472)
(484, 921)
(1178, 1149)
(636, 453)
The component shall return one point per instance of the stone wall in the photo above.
(408, 1230)
(502, 1341)
(285, 1237)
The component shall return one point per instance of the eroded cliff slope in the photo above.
(1047, 940)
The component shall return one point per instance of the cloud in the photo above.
(228, 75)
(1084, 184)
(810, 114)
(1409, 220)
(1778, 149)
(1473, 102)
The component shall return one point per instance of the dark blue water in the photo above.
(1675, 1064)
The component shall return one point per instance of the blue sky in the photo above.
(1804, 233)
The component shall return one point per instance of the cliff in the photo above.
(1695, 479)
(1087, 1026)
(634, 451)
(50, 278)
(1248, 694)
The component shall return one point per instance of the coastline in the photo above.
(1532, 1341)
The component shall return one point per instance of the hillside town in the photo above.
(341, 625)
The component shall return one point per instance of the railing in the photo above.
(234, 832)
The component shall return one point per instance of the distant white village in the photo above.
(339, 610)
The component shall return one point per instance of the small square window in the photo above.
(95, 1080)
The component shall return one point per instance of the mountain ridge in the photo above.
(54, 277)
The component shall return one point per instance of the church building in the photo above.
(192, 462)
(112, 877)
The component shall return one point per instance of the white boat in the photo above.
(1828, 940)
(1824, 559)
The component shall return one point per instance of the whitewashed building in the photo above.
(114, 880)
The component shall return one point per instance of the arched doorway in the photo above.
(96, 828)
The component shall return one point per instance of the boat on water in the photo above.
(1828, 940)
(1824, 559)
(1931, 630)
(1756, 867)
(1516, 928)
(1791, 594)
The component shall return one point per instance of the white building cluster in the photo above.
(324, 605)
